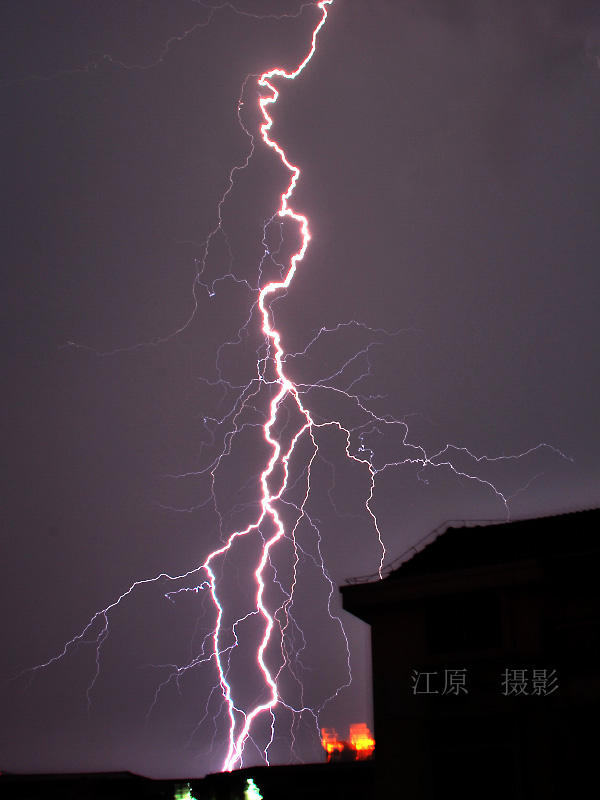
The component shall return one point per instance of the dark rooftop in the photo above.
(545, 537)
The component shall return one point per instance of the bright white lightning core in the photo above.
(290, 432)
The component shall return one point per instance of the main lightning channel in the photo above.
(286, 389)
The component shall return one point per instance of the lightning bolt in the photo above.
(272, 488)
(280, 407)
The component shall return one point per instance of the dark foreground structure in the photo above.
(85, 786)
(486, 662)
(334, 781)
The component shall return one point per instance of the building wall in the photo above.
(528, 613)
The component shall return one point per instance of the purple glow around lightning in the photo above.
(290, 432)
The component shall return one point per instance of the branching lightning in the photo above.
(280, 406)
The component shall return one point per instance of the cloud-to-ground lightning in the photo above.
(287, 410)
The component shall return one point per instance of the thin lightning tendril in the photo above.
(109, 59)
(287, 407)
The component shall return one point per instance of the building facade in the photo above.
(486, 661)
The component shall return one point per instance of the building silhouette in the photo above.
(486, 661)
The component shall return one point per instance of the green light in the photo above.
(252, 792)
(183, 792)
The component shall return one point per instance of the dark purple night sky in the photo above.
(449, 172)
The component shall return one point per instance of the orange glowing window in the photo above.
(330, 741)
(360, 745)
(361, 740)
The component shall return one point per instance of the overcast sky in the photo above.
(450, 174)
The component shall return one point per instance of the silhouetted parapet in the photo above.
(351, 781)
(84, 786)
